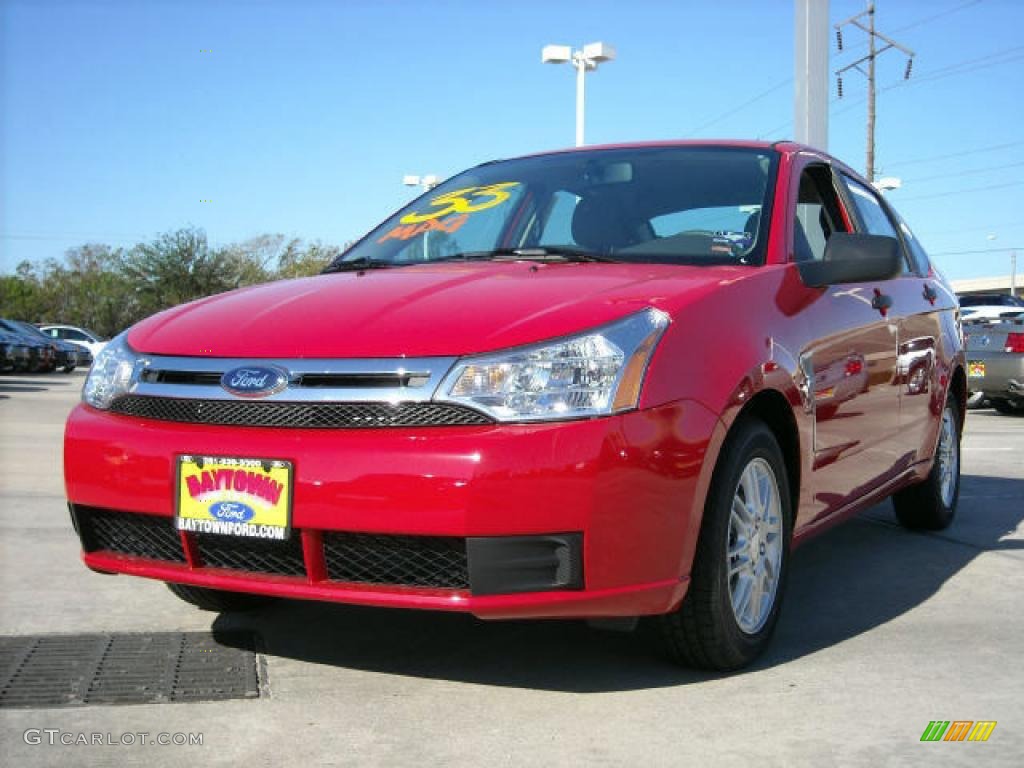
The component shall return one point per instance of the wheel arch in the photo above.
(958, 386)
(773, 409)
(771, 406)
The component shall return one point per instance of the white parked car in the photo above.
(989, 306)
(80, 336)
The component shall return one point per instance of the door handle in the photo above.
(930, 294)
(881, 302)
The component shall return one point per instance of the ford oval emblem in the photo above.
(254, 380)
(231, 511)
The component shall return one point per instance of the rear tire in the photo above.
(931, 504)
(739, 570)
(1006, 407)
(216, 599)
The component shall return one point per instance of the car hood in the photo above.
(421, 311)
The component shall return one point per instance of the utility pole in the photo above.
(873, 53)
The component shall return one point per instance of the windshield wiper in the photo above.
(545, 253)
(358, 265)
(540, 253)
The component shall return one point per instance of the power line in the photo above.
(969, 172)
(874, 36)
(959, 68)
(935, 16)
(73, 236)
(856, 46)
(950, 155)
(986, 228)
(968, 253)
(961, 191)
(742, 106)
(919, 22)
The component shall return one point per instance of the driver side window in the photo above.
(818, 214)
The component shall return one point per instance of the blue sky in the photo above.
(118, 119)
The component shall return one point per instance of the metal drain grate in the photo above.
(78, 670)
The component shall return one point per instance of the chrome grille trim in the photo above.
(259, 413)
(416, 379)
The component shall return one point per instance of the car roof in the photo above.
(781, 146)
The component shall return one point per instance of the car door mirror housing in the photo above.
(851, 258)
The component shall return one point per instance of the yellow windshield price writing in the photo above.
(466, 200)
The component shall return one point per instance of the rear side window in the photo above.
(918, 255)
(872, 215)
(875, 219)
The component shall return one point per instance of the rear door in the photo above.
(917, 302)
(849, 361)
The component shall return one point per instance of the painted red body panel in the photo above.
(621, 480)
(634, 484)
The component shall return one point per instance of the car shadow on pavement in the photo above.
(848, 581)
(16, 385)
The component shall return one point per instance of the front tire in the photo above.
(216, 599)
(931, 504)
(739, 570)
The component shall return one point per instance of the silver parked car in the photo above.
(995, 362)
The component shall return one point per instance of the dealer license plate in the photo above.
(975, 370)
(234, 497)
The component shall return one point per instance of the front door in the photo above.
(850, 363)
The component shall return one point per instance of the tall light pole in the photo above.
(584, 60)
(810, 103)
(1013, 266)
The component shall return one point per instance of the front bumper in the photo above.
(623, 487)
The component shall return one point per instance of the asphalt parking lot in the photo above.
(882, 632)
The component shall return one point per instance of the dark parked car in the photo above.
(14, 353)
(995, 362)
(68, 355)
(42, 353)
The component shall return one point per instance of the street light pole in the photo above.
(426, 183)
(581, 96)
(584, 60)
(1013, 273)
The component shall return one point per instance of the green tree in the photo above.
(108, 289)
(19, 293)
(181, 266)
(299, 260)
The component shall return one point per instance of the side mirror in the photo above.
(854, 259)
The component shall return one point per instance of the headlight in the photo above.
(111, 373)
(590, 374)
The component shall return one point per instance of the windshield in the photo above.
(31, 329)
(685, 205)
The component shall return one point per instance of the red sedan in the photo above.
(603, 383)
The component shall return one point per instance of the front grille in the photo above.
(414, 561)
(297, 415)
(128, 533)
(438, 562)
(281, 558)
